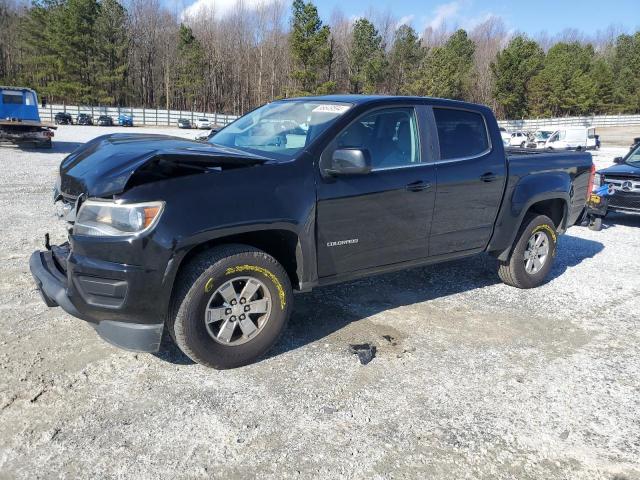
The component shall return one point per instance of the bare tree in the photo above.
(489, 37)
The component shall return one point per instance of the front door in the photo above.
(382, 217)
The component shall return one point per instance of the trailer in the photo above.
(19, 118)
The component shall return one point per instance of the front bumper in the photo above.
(52, 284)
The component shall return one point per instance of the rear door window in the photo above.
(461, 133)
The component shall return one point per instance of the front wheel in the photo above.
(533, 254)
(230, 307)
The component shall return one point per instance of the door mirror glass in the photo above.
(618, 160)
(350, 161)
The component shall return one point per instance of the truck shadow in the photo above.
(615, 219)
(324, 311)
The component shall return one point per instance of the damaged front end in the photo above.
(113, 271)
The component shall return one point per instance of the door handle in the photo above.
(418, 186)
(488, 177)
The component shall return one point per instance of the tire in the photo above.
(513, 271)
(198, 287)
(595, 224)
(523, 144)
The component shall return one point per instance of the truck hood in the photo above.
(105, 165)
(622, 169)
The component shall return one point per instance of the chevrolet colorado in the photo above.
(209, 240)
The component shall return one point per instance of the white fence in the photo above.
(593, 121)
(141, 116)
(158, 117)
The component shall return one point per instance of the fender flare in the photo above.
(533, 189)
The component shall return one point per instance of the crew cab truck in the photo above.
(19, 118)
(209, 240)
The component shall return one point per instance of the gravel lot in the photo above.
(479, 380)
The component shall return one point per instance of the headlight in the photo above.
(597, 180)
(109, 219)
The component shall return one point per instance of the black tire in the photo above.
(523, 144)
(194, 288)
(595, 224)
(513, 272)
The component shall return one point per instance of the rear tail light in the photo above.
(591, 176)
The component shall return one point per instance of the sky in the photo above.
(533, 17)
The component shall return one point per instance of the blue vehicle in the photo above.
(125, 120)
(19, 118)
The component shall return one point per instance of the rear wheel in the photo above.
(231, 305)
(533, 254)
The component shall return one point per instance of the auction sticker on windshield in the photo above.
(331, 108)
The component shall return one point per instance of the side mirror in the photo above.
(618, 160)
(350, 161)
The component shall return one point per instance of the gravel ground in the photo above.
(478, 380)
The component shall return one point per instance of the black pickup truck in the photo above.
(209, 240)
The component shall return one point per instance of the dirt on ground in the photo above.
(472, 379)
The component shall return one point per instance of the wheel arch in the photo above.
(281, 243)
(551, 205)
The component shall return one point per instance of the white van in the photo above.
(568, 138)
(592, 139)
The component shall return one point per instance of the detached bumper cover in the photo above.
(52, 285)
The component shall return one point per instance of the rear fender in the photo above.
(531, 190)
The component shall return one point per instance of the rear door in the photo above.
(383, 217)
(471, 176)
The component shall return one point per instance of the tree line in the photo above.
(139, 53)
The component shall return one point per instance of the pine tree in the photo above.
(309, 43)
(512, 71)
(626, 70)
(564, 85)
(111, 45)
(366, 57)
(404, 58)
(446, 71)
(190, 70)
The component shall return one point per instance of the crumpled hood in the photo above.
(103, 166)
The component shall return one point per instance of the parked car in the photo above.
(366, 189)
(84, 119)
(125, 120)
(63, 118)
(518, 139)
(203, 123)
(206, 136)
(105, 121)
(568, 138)
(623, 179)
(184, 123)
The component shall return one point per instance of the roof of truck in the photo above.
(362, 99)
(22, 89)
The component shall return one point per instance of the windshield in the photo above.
(542, 134)
(281, 128)
(634, 157)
